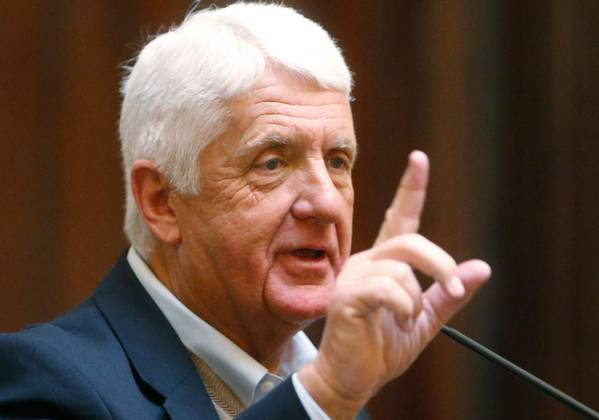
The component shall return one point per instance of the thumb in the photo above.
(473, 274)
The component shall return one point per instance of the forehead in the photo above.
(288, 107)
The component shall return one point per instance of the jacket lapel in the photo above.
(152, 346)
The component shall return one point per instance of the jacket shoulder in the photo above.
(39, 380)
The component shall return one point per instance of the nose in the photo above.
(319, 199)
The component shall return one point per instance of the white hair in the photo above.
(174, 97)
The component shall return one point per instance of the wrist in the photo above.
(330, 398)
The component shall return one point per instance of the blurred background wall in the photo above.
(503, 96)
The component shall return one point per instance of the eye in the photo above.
(272, 164)
(338, 162)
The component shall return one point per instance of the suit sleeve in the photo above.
(36, 381)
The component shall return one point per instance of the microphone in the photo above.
(519, 372)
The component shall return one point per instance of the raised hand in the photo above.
(380, 320)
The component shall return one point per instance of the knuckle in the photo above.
(402, 270)
(416, 237)
(386, 282)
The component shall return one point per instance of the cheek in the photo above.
(246, 229)
(231, 197)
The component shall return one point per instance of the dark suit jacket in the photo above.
(115, 356)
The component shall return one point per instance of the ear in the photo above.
(151, 191)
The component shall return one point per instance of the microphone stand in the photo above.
(519, 372)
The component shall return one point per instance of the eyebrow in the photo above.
(263, 143)
(349, 146)
(271, 141)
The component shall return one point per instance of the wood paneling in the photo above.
(502, 95)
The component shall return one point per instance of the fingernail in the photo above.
(455, 287)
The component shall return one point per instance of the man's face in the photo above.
(271, 227)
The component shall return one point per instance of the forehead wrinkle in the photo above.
(297, 110)
(287, 123)
(276, 117)
(276, 112)
(279, 91)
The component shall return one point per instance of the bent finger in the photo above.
(424, 256)
(376, 292)
(403, 275)
(473, 274)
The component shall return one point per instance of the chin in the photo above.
(299, 305)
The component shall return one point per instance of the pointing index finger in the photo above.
(404, 214)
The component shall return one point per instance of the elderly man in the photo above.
(238, 145)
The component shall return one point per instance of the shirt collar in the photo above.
(242, 373)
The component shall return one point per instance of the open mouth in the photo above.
(309, 254)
